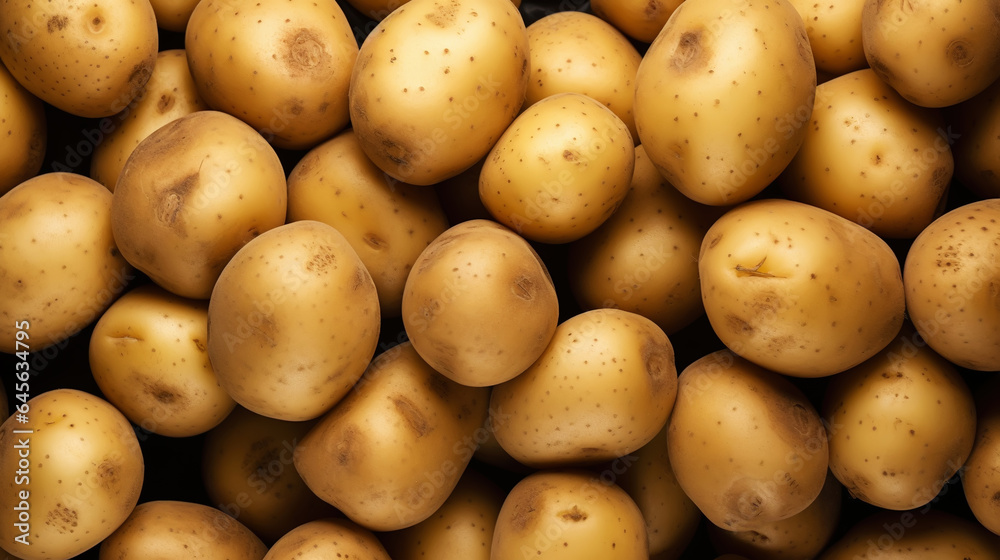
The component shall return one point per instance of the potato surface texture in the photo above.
(23, 133)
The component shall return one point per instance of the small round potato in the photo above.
(479, 305)
(560, 170)
(325, 539)
(89, 58)
(22, 133)
(192, 194)
(579, 52)
(834, 30)
(641, 20)
(935, 53)
(59, 265)
(952, 279)
(569, 515)
(337, 184)
(602, 389)
(72, 480)
(169, 94)
(168, 529)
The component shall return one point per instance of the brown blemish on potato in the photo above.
(162, 393)
(738, 324)
(715, 241)
(575, 514)
(530, 500)
(881, 69)
(375, 242)
(109, 474)
(323, 259)
(304, 53)
(63, 518)
(172, 202)
(689, 53)
(260, 454)
(652, 9)
(439, 386)
(444, 14)
(164, 104)
(360, 278)
(57, 23)
(523, 287)
(959, 53)
(349, 446)
(658, 360)
(140, 76)
(412, 415)
(742, 502)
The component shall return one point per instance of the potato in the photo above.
(569, 514)
(901, 424)
(977, 145)
(88, 59)
(293, 321)
(560, 170)
(430, 421)
(935, 53)
(461, 528)
(22, 133)
(644, 258)
(952, 280)
(429, 101)
(56, 286)
(282, 66)
(799, 537)
(165, 529)
(248, 472)
(149, 356)
(722, 95)
(923, 534)
(328, 538)
(192, 194)
(337, 184)
(71, 480)
(641, 20)
(169, 94)
(671, 517)
(479, 305)
(579, 52)
(799, 290)
(602, 389)
(746, 445)
(872, 157)
(834, 30)
(980, 480)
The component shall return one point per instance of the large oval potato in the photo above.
(57, 287)
(293, 321)
(436, 84)
(22, 133)
(72, 480)
(89, 58)
(722, 97)
(799, 290)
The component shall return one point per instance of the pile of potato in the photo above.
(486, 280)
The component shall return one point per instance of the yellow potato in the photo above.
(799, 290)
(328, 538)
(436, 84)
(834, 30)
(87, 58)
(560, 170)
(69, 482)
(923, 534)
(169, 94)
(58, 287)
(641, 20)
(148, 354)
(337, 184)
(22, 133)
(722, 97)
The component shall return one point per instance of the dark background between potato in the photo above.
(173, 465)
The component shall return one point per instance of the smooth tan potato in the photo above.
(81, 471)
(192, 194)
(746, 445)
(479, 305)
(22, 133)
(431, 423)
(248, 472)
(328, 538)
(799, 290)
(922, 534)
(722, 97)
(169, 94)
(166, 529)
(569, 515)
(560, 170)
(602, 389)
(337, 184)
(149, 355)
(293, 321)
(872, 157)
(435, 85)
(644, 259)
(579, 52)
(977, 146)
(87, 58)
(952, 280)
(60, 267)
(834, 30)
(641, 20)
(935, 53)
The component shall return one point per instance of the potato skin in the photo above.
(641, 20)
(22, 132)
(799, 290)
(84, 476)
(328, 538)
(922, 534)
(834, 31)
(88, 59)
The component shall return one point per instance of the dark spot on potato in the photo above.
(164, 104)
(743, 502)
(689, 53)
(305, 54)
(527, 503)
(438, 385)
(259, 455)
(570, 155)
(803, 46)
(360, 279)
(62, 517)
(738, 324)
(444, 14)
(660, 366)
(715, 241)
(57, 23)
(412, 415)
(652, 9)
(162, 393)
(109, 474)
(295, 106)
(323, 259)
(575, 514)
(523, 287)
(265, 329)
(376, 242)
(172, 202)
(959, 53)
(349, 447)
(996, 497)
(140, 76)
